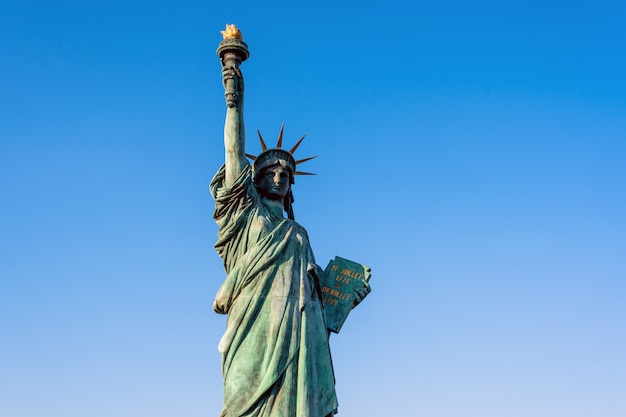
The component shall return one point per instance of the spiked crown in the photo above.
(277, 155)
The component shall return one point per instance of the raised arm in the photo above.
(234, 132)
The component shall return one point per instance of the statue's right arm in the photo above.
(234, 132)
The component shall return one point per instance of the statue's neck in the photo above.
(274, 206)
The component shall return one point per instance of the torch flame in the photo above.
(231, 32)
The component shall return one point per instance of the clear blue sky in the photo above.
(473, 153)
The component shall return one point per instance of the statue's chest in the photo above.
(260, 225)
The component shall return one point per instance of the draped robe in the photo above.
(275, 354)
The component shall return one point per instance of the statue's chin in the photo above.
(273, 197)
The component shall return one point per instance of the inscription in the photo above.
(343, 278)
(352, 274)
(331, 301)
(333, 296)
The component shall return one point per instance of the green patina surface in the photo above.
(343, 282)
(275, 354)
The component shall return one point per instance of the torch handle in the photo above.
(231, 85)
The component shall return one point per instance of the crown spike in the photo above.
(279, 144)
(263, 145)
(251, 156)
(297, 144)
(303, 173)
(299, 161)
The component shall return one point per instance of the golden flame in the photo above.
(231, 32)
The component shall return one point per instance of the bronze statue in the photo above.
(275, 353)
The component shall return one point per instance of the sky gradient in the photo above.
(472, 153)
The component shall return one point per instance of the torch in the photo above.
(232, 52)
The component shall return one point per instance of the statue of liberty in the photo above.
(275, 353)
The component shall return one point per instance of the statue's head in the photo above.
(273, 176)
(274, 170)
(273, 181)
(275, 157)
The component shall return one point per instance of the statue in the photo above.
(275, 353)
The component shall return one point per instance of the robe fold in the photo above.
(275, 354)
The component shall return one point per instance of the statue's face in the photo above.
(274, 182)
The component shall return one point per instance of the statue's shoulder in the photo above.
(297, 226)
